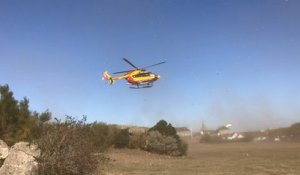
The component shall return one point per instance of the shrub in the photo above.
(163, 139)
(122, 138)
(182, 147)
(137, 140)
(102, 136)
(66, 149)
(158, 143)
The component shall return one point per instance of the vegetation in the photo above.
(121, 139)
(102, 135)
(294, 132)
(137, 141)
(163, 139)
(70, 146)
(206, 138)
(161, 144)
(165, 129)
(73, 147)
(17, 122)
(66, 148)
(294, 129)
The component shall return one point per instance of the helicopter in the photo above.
(138, 77)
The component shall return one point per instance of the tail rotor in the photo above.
(108, 78)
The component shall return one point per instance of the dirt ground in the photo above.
(211, 159)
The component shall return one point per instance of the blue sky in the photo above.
(227, 61)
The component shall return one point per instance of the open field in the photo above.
(211, 159)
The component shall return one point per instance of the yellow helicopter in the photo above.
(139, 77)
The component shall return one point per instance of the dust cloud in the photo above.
(245, 113)
(256, 112)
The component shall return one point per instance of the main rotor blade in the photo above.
(122, 71)
(154, 64)
(130, 63)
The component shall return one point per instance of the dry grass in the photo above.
(211, 159)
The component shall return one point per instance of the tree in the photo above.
(8, 112)
(17, 122)
(164, 128)
(102, 135)
(163, 139)
(24, 113)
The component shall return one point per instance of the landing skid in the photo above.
(141, 86)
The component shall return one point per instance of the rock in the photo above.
(4, 149)
(21, 160)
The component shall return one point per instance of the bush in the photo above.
(182, 147)
(102, 136)
(66, 149)
(137, 140)
(122, 138)
(163, 139)
(158, 143)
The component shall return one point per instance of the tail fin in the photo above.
(108, 78)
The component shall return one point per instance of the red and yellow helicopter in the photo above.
(139, 77)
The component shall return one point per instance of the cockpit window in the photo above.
(141, 75)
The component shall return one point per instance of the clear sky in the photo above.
(227, 61)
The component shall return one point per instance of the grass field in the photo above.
(211, 159)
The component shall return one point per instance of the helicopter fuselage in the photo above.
(137, 77)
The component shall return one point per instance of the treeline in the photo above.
(17, 122)
(72, 146)
(75, 147)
